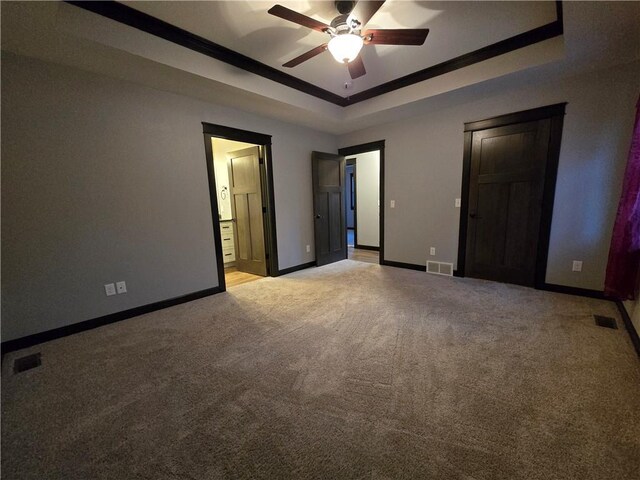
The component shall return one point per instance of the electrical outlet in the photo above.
(121, 287)
(432, 251)
(577, 266)
(110, 289)
(308, 248)
(392, 204)
(458, 203)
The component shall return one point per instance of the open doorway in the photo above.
(364, 167)
(240, 187)
(239, 190)
(350, 180)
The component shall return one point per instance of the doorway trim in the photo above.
(354, 200)
(364, 148)
(556, 113)
(211, 131)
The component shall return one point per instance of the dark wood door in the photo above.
(248, 211)
(506, 189)
(329, 207)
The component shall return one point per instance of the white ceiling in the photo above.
(596, 35)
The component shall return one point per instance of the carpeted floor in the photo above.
(348, 371)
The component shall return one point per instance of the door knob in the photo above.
(474, 215)
(318, 216)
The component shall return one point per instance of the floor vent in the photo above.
(440, 268)
(607, 322)
(27, 363)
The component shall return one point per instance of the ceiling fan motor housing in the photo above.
(342, 24)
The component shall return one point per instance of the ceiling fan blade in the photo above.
(306, 56)
(404, 36)
(364, 10)
(295, 17)
(356, 67)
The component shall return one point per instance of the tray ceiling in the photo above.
(258, 39)
(167, 45)
(456, 28)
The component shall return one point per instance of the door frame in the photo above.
(364, 148)
(211, 131)
(354, 199)
(554, 112)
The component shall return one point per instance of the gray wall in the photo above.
(104, 180)
(423, 167)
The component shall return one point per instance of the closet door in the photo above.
(505, 201)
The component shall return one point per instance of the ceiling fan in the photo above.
(347, 34)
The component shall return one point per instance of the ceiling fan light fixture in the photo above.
(345, 47)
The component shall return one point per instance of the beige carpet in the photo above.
(349, 371)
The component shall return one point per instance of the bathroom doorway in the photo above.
(239, 180)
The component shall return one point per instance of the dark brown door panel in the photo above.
(505, 201)
(329, 207)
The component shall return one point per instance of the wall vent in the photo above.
(440, 268)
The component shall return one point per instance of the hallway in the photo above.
(361, 255)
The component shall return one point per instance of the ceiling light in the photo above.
(345, 47)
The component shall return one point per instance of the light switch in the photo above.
(392, 204)
(458, 203)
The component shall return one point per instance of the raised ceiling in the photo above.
(245, 35)
(594, 35)
(456, 28)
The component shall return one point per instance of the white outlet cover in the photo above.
(308, 248)
(121, 287)
(110, 289)
(577, 266)
(432, 251)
